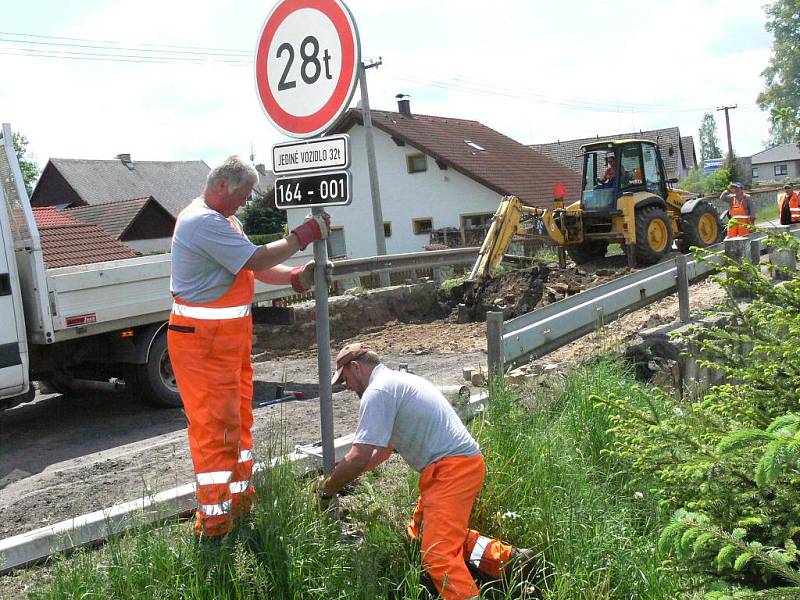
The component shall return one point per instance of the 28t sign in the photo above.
(307, 64)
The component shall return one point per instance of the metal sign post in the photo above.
(306, 70)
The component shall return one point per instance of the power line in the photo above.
(55, 37)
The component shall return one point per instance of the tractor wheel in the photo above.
(653, 235)
(583, 253)
(701, 227)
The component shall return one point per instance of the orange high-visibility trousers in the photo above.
(209, 347)
(448, 489)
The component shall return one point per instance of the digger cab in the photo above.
(613, 168)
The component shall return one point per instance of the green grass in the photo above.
(549, 486)
(768, 213)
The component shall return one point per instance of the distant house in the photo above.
(677, 151)
(778, 162)
(67, 242)
(67, 182)
(435, 173)
(140, 223)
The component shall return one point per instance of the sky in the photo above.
(180, 81)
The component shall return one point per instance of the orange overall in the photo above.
(209, 347)
(794, 206)
(447, 491)
(739, 212)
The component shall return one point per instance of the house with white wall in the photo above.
(434, 173)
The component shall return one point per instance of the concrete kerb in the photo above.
(35, 546)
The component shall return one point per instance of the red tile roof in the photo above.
(67, 242)
(482, 154)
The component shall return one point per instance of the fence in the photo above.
(543, 330)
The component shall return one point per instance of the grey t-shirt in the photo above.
(411, 414)
(207, 253)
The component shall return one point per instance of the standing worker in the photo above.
(740, 208)
(401, 411)
(210, 333)
(789, 205)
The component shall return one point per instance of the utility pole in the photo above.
(728, 126)
(374, 186)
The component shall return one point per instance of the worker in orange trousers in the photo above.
(403, 412)
(210, 330)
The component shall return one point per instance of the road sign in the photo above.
(307, 62)
(324, 189)
(329, 152)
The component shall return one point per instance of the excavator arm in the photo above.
(508, 221)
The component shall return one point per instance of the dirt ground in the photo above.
(66, 456)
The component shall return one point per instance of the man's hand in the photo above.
(302, 277)
(324, 500)
(314, 228)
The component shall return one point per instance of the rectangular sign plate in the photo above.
(329, 152)
(319, 189)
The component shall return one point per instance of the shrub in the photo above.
(729, 460)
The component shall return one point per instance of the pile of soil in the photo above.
(520, 291)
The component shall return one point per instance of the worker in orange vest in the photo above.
(741, 210)
(210, 334)
(403, 412)
(789, 204)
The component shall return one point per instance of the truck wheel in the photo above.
(653, 235)
(583, 253)
(156, 379)
(701, 227)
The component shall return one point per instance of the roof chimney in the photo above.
(262, 170)
(126, 158)
(404, 104)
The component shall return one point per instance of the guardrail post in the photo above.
(494, 346)
(784, 262)
(738, 249)
(755, 252)
(682, 278)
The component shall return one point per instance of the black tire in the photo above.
(702, 227)
(156, 379)
(653, 235)
(587, 251)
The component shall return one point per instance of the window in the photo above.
(336, 245)
(422, 225)
(476, 221)
(472, 144)
(755, 172)
(631, 173)
(387, 229)
(416, 163)
(781, 170)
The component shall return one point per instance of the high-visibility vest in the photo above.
(739, 210)
(794, 206)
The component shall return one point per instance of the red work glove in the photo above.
(302, 277)
(315, 227)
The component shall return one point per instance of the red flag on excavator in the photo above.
(559, 191)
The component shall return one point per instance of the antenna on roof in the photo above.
(252, 153)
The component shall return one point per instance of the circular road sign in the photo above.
(307, 63)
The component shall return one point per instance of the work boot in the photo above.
(528, 566)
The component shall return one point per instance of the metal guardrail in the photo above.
(545, 329)
(356, 267)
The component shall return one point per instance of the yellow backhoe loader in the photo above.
(625, 198)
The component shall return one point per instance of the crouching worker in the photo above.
(403, 412)
(210, 333)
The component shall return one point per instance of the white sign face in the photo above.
(307, 65)
(330, 152)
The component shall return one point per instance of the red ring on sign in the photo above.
(346, 33)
